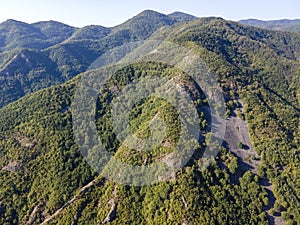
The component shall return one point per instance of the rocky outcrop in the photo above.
(13, 166)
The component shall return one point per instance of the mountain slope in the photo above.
(27, 72)
(45, 176)
(44, 148)
(266, 78)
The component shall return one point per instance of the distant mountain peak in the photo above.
(50, 22)
(181, 16)
(149, 12)
(14, 22)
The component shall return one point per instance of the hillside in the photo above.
(253, 180)
(45, 147)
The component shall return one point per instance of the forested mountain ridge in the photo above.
(42, 169)
(63, 51)
(14, 34)
(41, 35)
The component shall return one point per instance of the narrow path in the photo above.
(9, 62)
(60, 210)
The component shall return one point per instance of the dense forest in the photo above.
(45, 178)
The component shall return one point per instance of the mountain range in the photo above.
(254, 179)
(57, 52)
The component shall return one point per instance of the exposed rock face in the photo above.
(13, 166)
(237, 131)
(26, 142)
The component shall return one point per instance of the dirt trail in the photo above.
(82, 190)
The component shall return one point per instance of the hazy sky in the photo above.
(113, 12)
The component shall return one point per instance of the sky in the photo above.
(112, 12)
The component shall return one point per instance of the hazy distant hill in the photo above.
(285, 25)
(14, 34)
